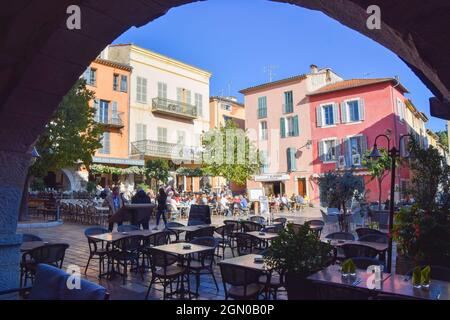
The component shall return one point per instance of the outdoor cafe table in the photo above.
(30, 245)
(379, 247)
(392, 284)
(190, 228)
(246, 261)
(179, 250)
(114, 236)
(265, 236)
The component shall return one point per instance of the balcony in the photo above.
(112, 121)
(174, 108)
(159, 149)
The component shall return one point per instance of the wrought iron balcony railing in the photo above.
(112, 120)
(159, 149)
(174, 108)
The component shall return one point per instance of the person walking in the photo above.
(114, 201)
(142, 215)
(162, 207)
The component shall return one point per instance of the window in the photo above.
(288, 106)
(115, 82)
(291, 124)
(181, 137)
(183, 95)
(141, 90)
(162, 90)
(103, 111)
(355, 148)
(263, 132)
(328, 150)
(291, 163)
(141, 132)
(262, 107)
(123, 83)
(105, 141)
(226, 106)
(400, 109)
(162, 134)
(90, 75)
(352, 110)
(328, 115)
(199, 103)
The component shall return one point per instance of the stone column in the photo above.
(13, 171)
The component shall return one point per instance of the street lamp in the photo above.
(393, 154)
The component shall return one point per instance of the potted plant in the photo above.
(299, 253)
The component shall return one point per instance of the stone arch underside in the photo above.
(40, 59)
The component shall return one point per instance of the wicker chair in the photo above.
(203, 232)
(247, 243)
(340, 236)
(175, 233)
(94, 251)
(52, 254)
(365, 231)
(125, 251)
(203, 262)
(358, 250)
(249, 226)
(243, 282)
(225, 240)
(27, 237)
(378, 238)
(258, 219)
(165, 270)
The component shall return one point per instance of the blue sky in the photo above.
(237, 39)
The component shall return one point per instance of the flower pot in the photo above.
(404, 264)
(298, 287)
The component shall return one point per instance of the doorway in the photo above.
(273, 188)
(302, 186)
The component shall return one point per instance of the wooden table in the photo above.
(391, 284)
(265, 236)
(247, 261)
(184, 254)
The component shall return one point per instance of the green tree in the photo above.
(379, 169)
(443, 139)
(69, 139)
(72, 136)
(229, 153)
(337, 189)
(158, 170)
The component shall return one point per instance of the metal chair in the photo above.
(153, 240)
(316, 225)
(281, 220)
(176, 233)
(340, 236)
(257, 219)
(226, 233)
(378, 238)
(365, 231)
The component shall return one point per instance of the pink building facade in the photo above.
(347, 117)
(278, 119)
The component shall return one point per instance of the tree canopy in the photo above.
(72, 136)
(229, 153)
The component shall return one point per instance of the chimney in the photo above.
(314, 69)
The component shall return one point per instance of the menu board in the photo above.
(255, 194)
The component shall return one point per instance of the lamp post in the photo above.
(393, 154)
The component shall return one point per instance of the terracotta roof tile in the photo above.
(355, 83)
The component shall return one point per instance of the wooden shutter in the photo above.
(336, 113)
(282, 128)
(319, 116)
(293, 160)
(344, 112)
(362, 109)
(347, 153)
(337, 148)
(321, 154)
(114, 110)
(296, 127)
(363, 140)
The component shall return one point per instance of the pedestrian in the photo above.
(162, 207)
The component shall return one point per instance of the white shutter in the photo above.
(337, 148)
(321, 150)
(319, 116)
(344, 117)
(363, 140)
(144, 89)
(97, 110)
(114, 111)
(336, 113)
(138, 132)
(179, 94)
(362, 109)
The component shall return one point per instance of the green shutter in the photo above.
(293, 162)
(296, 128)
(282, 128)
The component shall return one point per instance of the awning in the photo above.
(272, 177)
(120, 161)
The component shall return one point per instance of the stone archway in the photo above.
(41, 59)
